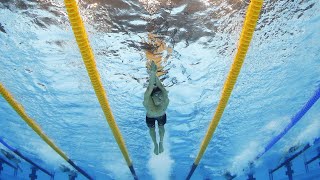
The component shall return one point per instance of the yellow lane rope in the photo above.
(88, 58)
(246, 36)
(36, 128)
(19, 109)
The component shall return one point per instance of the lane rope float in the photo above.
(250, 22)
(36, 128)
(89, 61)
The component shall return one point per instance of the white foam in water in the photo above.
(46, 153)
(160, 165)
(276, 125)
(241, 161)
(118, 168)
(309, 133)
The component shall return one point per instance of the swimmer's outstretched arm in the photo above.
(160, 85)
(157, 82)
(151, 85)
(164, 91)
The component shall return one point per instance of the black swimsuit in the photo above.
(161, 121)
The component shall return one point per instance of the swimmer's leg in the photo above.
(161, 134)
(152, 132)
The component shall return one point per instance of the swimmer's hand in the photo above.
(153, 67)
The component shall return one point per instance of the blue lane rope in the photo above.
(7, 145)
(78, 168)
(25, 158)
(293, 121)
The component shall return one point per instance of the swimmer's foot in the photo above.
(161, 147)
(156, 151)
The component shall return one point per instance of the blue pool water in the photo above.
(41, 66)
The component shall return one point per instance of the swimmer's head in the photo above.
(157, 96)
